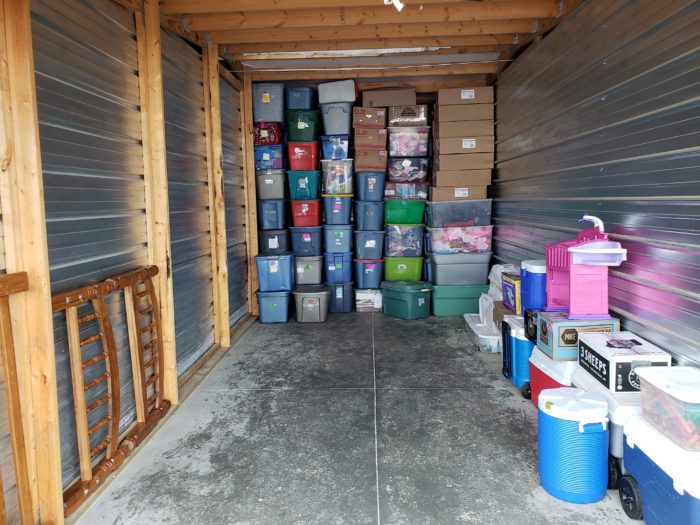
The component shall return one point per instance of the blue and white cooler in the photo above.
(663, 485)
(621, 406)
(573, 444)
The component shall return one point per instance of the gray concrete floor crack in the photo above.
(376, 440)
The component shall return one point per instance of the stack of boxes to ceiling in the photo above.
(337, 100)
(459, 215)
(369, 127)
(274, 264)
(403, 294)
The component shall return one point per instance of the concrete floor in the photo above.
(364, 419)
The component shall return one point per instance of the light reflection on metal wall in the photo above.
(92, 161)
(235, 200)
(603, 117)
(188, 192)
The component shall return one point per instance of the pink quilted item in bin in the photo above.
(461, 239)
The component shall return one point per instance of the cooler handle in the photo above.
(591, 427)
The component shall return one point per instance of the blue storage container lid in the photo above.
(517, 326)
(272, 294)
(574, 404)
(681, 465)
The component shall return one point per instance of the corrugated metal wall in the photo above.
(234, 197)
(188, 191)
(603, 117)
(92, 161)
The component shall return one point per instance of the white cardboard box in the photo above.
(368, 300)
(612, 358)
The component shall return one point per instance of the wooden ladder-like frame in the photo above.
(11, 284)
(138, 289)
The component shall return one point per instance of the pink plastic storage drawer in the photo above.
(460, 239)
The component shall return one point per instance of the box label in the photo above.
(461, 192)
(306, 237)
(266, 156)
(594, 363)
(568, 335)
(300, 269)
(269, 182)
(264, 134)
(467, 94)
(370, 243)
(273, 243)
(303, 182)
(468, 143)
(302, 125)
(338, 292)
(544, 332)
(274, 266)
(265, 98)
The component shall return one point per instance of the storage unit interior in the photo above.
(136, 150)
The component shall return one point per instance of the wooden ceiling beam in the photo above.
(382, 31)
(375, 43)
(378, 53)
(334, 72)
(233, 6)
(378, 14)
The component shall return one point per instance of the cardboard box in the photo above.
(612, 358)
(463, 193)
(383, 98)
(368, 117)
(557, 335)
(452, 145)
(474, 95)
(368, 300)
(498, 312)
(462, 178)
(530, 320)
(469, 128)
(370, 159)
(408, 116)
(371, 138)
(466, 112)
(463, 161)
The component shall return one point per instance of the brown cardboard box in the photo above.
(370, 160)
(368, 117)
(463, 161)
(408, 116)
(383, 98)
(473, 128)
(462, 178)
(371, 138)
(464, 112)
(462, 193)
(499, 311)
(452, 145)
(475, 95)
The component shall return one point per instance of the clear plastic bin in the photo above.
(407, 169)
(485, 340)
(417, 191)
(404, 240)
(671, 402)
(461, 240)
(408, 142)
(458, 213)
(337, 176)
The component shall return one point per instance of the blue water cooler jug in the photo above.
(573, 444)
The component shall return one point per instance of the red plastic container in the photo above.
(546, 373)
(306, 213)
(268, 133)
(303, 155)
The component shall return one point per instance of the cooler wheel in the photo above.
(614, 472)
(630, 497)
(525, 391)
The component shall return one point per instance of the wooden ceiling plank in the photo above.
(374, 31)
(333, 73)
(374, 43)
(233, 6)
(378, 14)
(379, 53)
